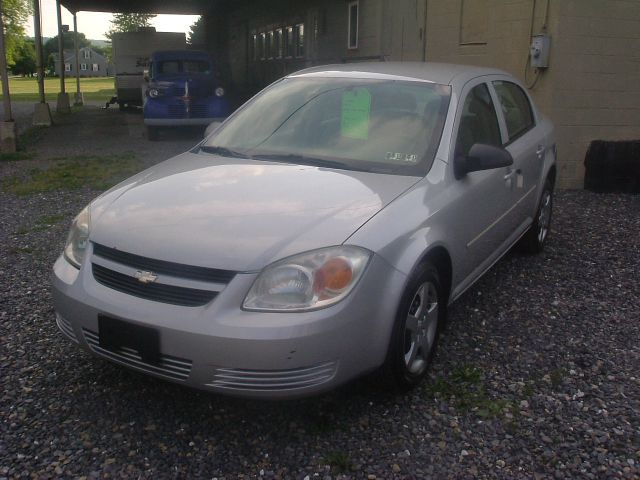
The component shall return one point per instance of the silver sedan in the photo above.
(316, 235)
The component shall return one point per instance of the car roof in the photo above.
(441, 73)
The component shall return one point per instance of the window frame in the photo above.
(67, 67)
(350, 5)
(87, 54)
(83, 67)
(289, 42)
(300, 47)
(487, 82)
(278, 44)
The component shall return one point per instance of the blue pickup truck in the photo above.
(183, 88)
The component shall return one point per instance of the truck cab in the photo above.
(182, 88)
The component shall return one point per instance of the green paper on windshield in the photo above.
(356, 110)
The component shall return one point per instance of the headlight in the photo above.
(308, 281)
(153, 92)
(78, 238)
(219, 92)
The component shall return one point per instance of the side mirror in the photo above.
(212, 127)
(481, 157)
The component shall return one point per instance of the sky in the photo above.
(95, 24)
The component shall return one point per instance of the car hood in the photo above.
(237, 214)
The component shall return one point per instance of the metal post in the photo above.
(39, 53)
(41, 113)
(79, 100)
(63, 97)
(60, 45)
(6, 99)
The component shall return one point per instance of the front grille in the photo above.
(171, 367)
(195, 111)
(65, 327)
(273, 380)
(187, 297)
(161, 267)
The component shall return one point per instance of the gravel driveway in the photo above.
(537, 376)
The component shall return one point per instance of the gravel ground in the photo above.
(537, 376)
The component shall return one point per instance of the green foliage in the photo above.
(129, 22)
(15, 14)
(97, 172)
(197, 33)
(24, 58)
(465, 390)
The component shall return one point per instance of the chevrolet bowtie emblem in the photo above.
(146, 277)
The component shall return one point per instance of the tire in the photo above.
(534, 240)
(420, 317)
(151, 133)
(122, 106)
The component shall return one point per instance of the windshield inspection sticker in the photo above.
(401, 157)
(356, 111)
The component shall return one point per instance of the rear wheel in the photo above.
(534, 240)
(415, 336)
(122, 106)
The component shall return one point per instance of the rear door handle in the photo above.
(540, 151)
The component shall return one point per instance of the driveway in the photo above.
(535, 377)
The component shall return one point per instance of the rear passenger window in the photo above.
(479, 121)
(515, 107)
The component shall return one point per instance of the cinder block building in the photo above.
(590, 89)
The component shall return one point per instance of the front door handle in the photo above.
(513, 172)
(540, 151)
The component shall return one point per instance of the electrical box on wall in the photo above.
(540, 46)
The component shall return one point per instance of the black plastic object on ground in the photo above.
(613, 167)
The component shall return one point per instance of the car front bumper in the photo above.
(221, 348)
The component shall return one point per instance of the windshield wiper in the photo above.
(224, 151)
(302, 160)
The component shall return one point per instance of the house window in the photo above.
(288, 43)
(67, 67)
(87, 54)
(278, 43)
(83, 66)
(353, 25)
(270, 45)
(262, 45)
(300, 40)
(95, 67)
(254, 47)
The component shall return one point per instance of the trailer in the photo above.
(131, 56)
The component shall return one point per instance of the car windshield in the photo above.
(168, 67)
(384, 126)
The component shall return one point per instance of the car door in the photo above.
(525, 142)
(481, 218)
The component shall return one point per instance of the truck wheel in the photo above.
(151, 133)
(122, 106)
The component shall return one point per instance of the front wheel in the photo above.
(534, 240)
(417, 327)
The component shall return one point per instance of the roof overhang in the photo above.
(177, 7)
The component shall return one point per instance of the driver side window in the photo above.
(479, 121)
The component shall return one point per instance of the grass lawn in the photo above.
(26, 89)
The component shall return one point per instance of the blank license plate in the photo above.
(115, 334)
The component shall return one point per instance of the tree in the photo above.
(15, 14)
(25, 58)
(197, 34)
(51, 45)
(129, 22)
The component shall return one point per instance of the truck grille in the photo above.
(196, 111)
(158, 292)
